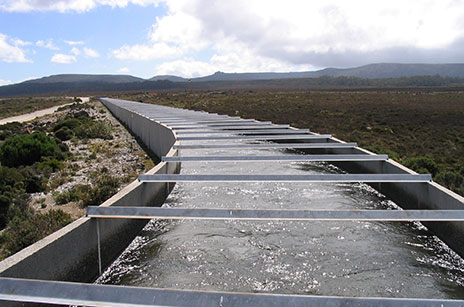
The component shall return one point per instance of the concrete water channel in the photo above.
(344, 258)
(259, 208)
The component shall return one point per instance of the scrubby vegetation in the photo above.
(103, 187)
(16, 106)
(423, 129)
(29, 148)
(53, 167)
(26, 229)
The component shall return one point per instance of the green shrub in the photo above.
(22, 232)
(33, 179)
(64, 133)
(70, 123)
(452, 180)
(422, 165)
(11, 181)
(27, 149)
(10, 129)
(104, 187)
(76, 193)
(65, 197)
(95, 129)
(19, 207)
(50, 164)
(4, 206)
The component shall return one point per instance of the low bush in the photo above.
(22, 232)
(70, 123)
(453, 180)
(104, 187)
(4, 206)
(64, 133)
(10, 129)
(27, 149)
(423, 165)
(33, 179)
(95, 129)
(65, 197)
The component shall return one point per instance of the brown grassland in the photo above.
(423, 129)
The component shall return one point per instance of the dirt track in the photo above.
(33, 115)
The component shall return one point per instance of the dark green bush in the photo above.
(95, 129)
(63, 147)
(104, 187)
(70, 123)
(50, 165)
(23, 232)
(64, 133)
(73, 194)
(11, 181)
(11, 129)
(422, 165)
(11, 185)
(452, 180)
(20, 208)
(4, 206)
(27, 149)
(33, 179)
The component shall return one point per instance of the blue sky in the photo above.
(102, 29)
(189, 38)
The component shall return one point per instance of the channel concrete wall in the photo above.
(71, 253)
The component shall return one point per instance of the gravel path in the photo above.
(33, 115)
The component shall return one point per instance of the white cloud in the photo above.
(10, 50)
(299, 34)
(147, 52)
(75, 51)
(46, 44)
(66, 5)
(63, 58)
(124, 70)
(18, 42)
(185, 68)
(74, 43)
(5, 82)
(90, 53)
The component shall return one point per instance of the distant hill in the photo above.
(372, 75)
(168, 78)
(391, 70)
(371, 71)
(67, 78)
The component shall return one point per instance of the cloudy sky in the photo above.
(198, 37)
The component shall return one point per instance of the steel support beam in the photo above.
(267, 146)
(289, 178)
(314, 158)
(256, 137)
(208, 122)
(70, 293)
(238, 124)
(259, 131)
(275, 214)
(266, 126)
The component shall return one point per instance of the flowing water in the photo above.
(388, 259)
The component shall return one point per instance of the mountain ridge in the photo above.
(86, 78)
(381, 74)
(369, 71)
